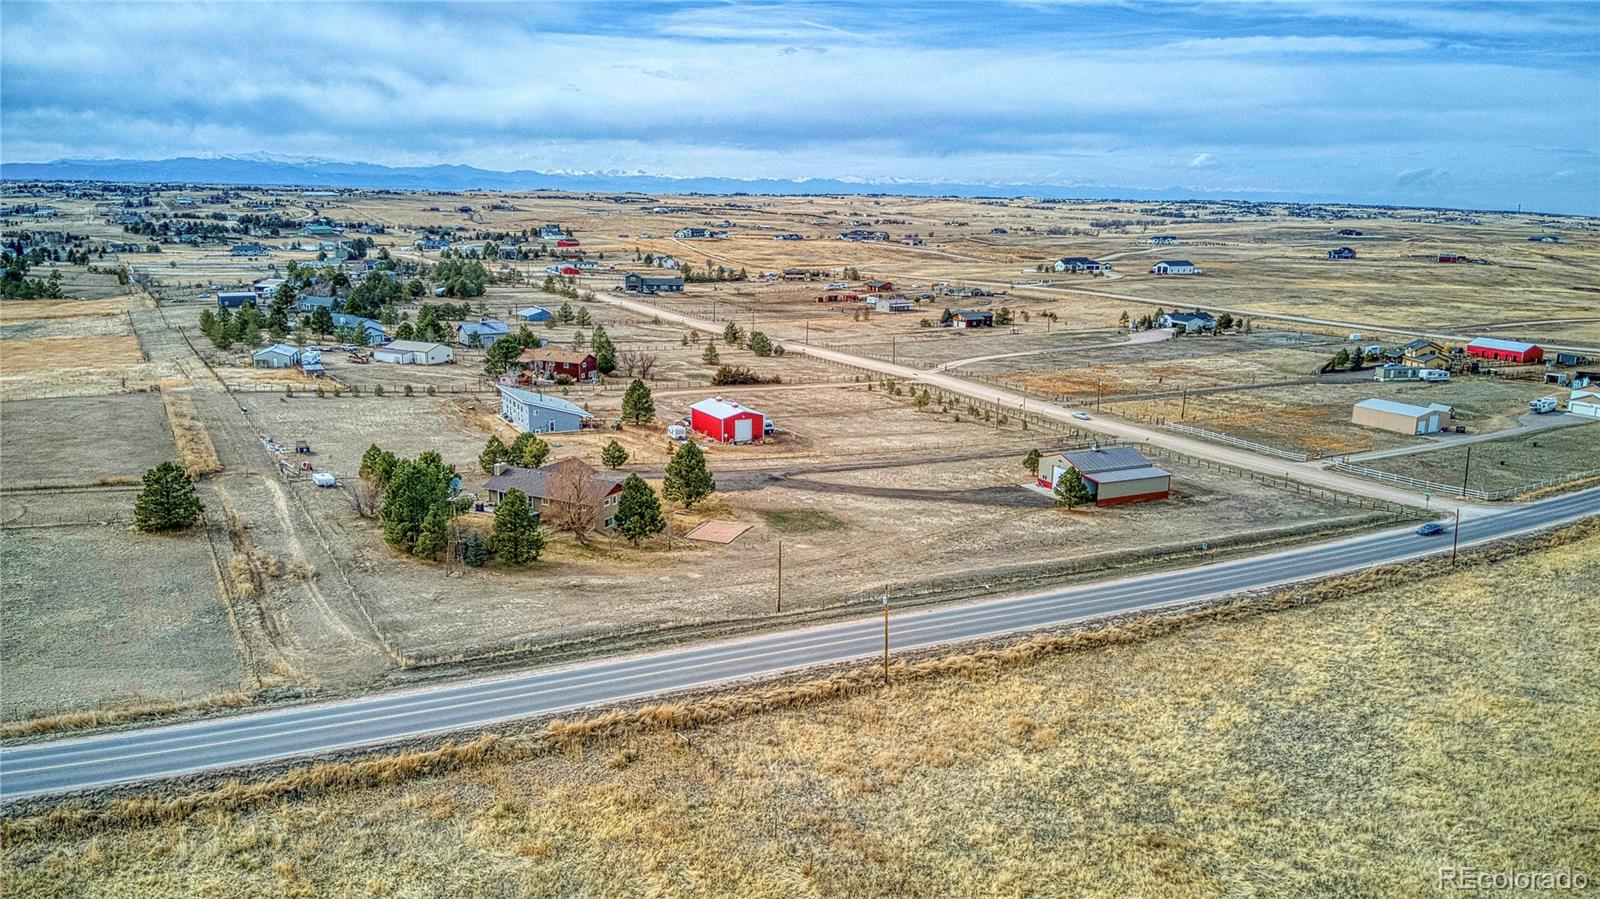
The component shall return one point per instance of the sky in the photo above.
(1486, 106)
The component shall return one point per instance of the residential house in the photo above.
(306, 304)
(528, 410)
(1423, 353)
(248, 249)
(1080, 264)
(860, 234)
(550, 362)
(371, 327)
(1342, 253)
(1188, 322)
(1175, 267)
(552, 232)
(879, 287)
(482, 332)
(1349, 232)
(534, 314)
(233, 299)
(968, 318)
(652, 284)
(890, 304)
(279, 355)
(699, 234)
(604, 488)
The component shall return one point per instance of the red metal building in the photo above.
(725, 421)
(1505, 350)
(567, 242)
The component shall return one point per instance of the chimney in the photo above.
(500, 468)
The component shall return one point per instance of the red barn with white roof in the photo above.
(726, 421)
(1505, 350)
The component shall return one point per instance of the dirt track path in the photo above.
(339, 626)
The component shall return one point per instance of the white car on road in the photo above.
(1083, 416)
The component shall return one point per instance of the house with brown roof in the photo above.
(561, 488)
(551, 362)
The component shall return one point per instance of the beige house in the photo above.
(1403, 418)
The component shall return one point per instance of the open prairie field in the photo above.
(862, 490)
(92, 620)
(1348, 747)
(1315, 418)
(76, 441)
(1502, 464)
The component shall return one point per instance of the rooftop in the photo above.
(717, 407)
(543, 401)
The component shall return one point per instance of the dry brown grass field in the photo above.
(1349, 747)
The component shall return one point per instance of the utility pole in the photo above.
(1455, 538)
(780, 574)
(1465, 468)
(807, 341)
(886, 634)
(894, 356)
(1183, 410)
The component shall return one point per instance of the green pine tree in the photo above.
(433, 536)
(638, 406)
(493, 451)
(614, 456)
(168, 501)
(1030, 462)
(605, 352)
(731, 334)
(688, 479)
(515, 538)
(638, 510)
(1070, 489)
(709, 355)
(529, 450)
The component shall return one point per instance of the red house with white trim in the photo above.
(1498, 350)
(726, 421)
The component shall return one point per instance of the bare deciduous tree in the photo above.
(576, 494)
(366, 499)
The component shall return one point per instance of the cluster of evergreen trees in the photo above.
(15, 285)
(461, 277)
(226, 327)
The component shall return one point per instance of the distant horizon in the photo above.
(1470, 105)
(662, 184)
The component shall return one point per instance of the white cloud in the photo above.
(1201, 160)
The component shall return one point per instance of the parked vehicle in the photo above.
(1431, 529)
(677, 432)
(1434, 374)
(1543, 404)
(1082, 416)
(767, 427)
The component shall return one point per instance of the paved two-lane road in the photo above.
(300, 731)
